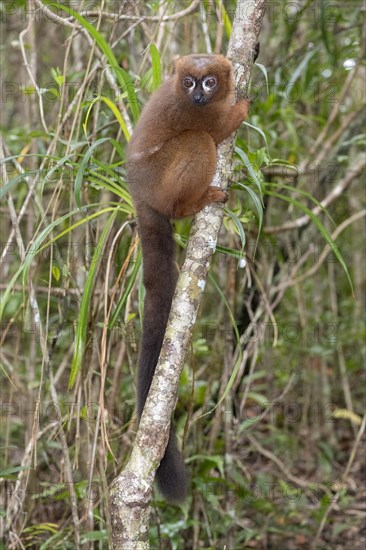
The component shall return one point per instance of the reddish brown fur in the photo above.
(171, 162)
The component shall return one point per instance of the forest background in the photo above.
(271, 401)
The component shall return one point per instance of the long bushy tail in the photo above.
(160, 277)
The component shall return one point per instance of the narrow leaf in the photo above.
(250, 169)
(334, 248)
(81, 171)
(156, 67)
(122, 77)
(82, 321)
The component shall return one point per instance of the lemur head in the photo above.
(203, 79)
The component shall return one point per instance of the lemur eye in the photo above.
(210, 82)
(188, 82)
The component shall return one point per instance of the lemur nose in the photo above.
(198, 99)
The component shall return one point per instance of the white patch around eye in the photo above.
(192, 86)
(205, 86)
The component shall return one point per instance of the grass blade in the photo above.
(122, 77)
(82, 321)
(334, 248)
(156, 67)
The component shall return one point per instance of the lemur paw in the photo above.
(216, 194)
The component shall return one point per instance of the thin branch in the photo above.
(109, 74)
(333, 195)
(45, 361)
(334, 112)
(139, 18)
(325, 150)
(15, 505)
(335, 498)
(268, 454)
(28, 68)
(322, 257)
(67, 462)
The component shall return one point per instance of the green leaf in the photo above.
(251, 170)
(21, 177)
(56, 272)
(80, 173)
(122, 77)
(106, 183)
(9, 472)
(127, 85)
(225, 18)
(94, 536)
(259, 130)
(126, 292)
(156, 67)
(297, 73)
(258, 398)
(5, 189)
(321, 228)
(304, 194)
(237, 335)
(54, 169)
(114, 110)
(118, 116)
(263, 69)
(238, 225)
(58, 76)
(255, 199)
(37, 246)
(82, 321)
(324, 7)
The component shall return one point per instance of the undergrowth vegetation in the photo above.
(271, 399)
